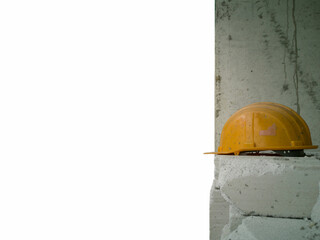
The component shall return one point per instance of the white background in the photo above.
(106, 109)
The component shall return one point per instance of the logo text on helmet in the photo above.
(271, 131)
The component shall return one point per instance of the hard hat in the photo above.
(264, 126)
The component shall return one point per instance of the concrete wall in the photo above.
(275, 190)
(268, 50)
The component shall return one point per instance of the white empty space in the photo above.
(106, 108)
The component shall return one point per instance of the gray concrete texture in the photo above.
(235, 219)
(264, 228)
(270, 186)
(268, 51)
(315, 215)
(219, 213)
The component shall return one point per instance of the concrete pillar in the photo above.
(267, 51)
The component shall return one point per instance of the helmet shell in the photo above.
(264, 126)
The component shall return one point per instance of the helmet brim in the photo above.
(264, 149)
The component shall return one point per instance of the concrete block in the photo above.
(235, 219)
(225, 231)
(219, 213)
(216, 170)
(270, 186)
(265, 228)
(315, 215)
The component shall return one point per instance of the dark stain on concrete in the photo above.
(296, 66)
(222, 10)
(225, 9)
(281, 34)
(283, 39)
(261, 11)
(291, 48)
(311, 87)
(218, 96)
(266, 47)
(285, 50)
(285, 88)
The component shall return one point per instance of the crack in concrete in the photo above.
(218, 95)
(252, 214)
(285, 85)
(291, 49)
(295, 75)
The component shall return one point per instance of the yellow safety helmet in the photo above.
(264, 126)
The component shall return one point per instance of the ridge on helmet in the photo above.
(264, 126)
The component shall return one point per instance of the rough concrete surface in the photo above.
(264, 228)
(270, 186)
(268, 50)
(235, 219)
(219, 213)
(315, 215)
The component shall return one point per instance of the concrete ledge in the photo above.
(264, 228)
(315, 215)
(270, 186)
